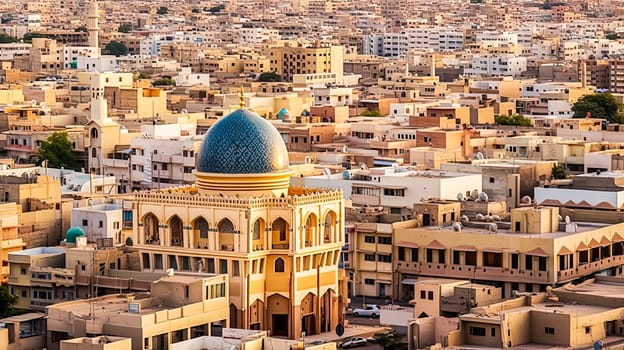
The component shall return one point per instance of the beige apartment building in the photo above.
(288, 61)
(535, 250)
(9, 239)
(178, 307)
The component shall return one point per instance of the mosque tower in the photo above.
(92, 24)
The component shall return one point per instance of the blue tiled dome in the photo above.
(242, 143)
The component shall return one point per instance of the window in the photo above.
(528, 262)
(369, 239)
(85, 222)
(384, 240)
(478, 331)
(549, 330)
(491, 180)
(401, 254)
(429, 255)
(493, 332)
(369, 281)
(423, 294)
(456, 257)
(211, 265)
(430, 295)
(279, 265)
(369, 257)
(164, 166)
(414, 254)
(235, 268)
(384, 258)
(223, 266)
(514, 261)
(542, 263)
(23, 270)
(100, 224)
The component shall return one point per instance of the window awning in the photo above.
(409, 281)
(393, 187)
(594, 243)
(564, 251)
(617, 238)
(537, 252)
(435, 245)
(384, 281)
(407, 244)
(605, 241)
(582, 246)
(465, 248)
(492, 250)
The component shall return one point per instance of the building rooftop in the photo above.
(39, 251)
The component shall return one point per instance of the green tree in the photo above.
(558, 172)
(7, 301)
(143, 75)
(371, 113)
(602, 105)
(125, 28)
(116, 48)
(29, 36)
(5, 38)
(269, 77)
(390, 340)
(164, 81)
(516, 119)
(215, 9)
(57, 151)
(612, 36)
(162, 10)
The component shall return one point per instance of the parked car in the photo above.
(368, 311)
(353, 343)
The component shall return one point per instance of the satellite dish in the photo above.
(326, 171)
(464, 218)
(344, 149)
(460, 196)
(479, 156)
(42, 104)
(346, 175)
(480, 217)
(492, 228)
(184, 111)
(363, 166)
(170, 272)
(457, 227)
(483, 197)
(33, 103)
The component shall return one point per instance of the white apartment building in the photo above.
(258, 35)
(496, 65)
(72, 53)
(187, 78)
(328, 96)
(99, 221)
(496, 39)
(11, 50)
(426, 38)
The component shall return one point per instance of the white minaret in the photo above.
(92, 24)
(99, 107)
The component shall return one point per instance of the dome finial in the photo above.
(242, 97)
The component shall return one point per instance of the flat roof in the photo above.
(581, 227)
(39, 251)
(24, 317)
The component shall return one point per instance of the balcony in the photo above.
(21, 148)
(115, 163)
(227, 247)
(587, 268)
(502, 274)
(279, 246)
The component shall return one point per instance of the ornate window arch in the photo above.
(226, 226)
(279, 265)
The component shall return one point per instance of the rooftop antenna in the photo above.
(242, 97)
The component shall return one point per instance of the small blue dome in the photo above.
(242, 143)
(73, 233)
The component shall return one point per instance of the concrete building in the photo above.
(9, 239)
(288, 61)
(99, 221)
(178, 307)
(534, 252)
(24, 331)
(280, 245)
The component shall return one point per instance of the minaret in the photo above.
(99, 107)
(92, 24)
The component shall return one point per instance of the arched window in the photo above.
(256, 229)
(150, 224)
(94, 133)
(201, 225)
(226, 226)
(279, 225)
(279, 265)
(177, 231)
(94, 152)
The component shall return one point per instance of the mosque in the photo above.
(279, 245)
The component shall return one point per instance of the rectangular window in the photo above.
(542, 263)
(158, 261)
(369, 281)
(369, 257)
(211, 265)
(429, 255)
(384, 258)
(549, 330)
(384, 240)
(223, 266)
(456, 257)
(493, 332)
(442, 256)
(514, 261)
(414, 254)
(528, 262)
(401, 254)
(369, 239)
(478, 331)
(85, 222)
(235, 268)
(430, 295)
